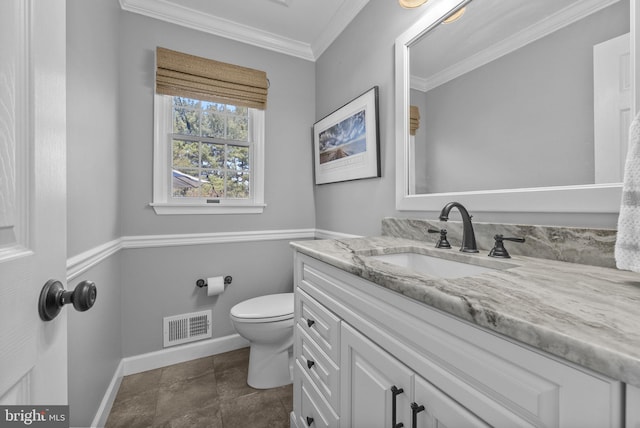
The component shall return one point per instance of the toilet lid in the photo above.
(272, 307)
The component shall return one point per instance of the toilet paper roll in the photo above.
(215, 285)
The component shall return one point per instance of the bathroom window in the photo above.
(208, 157)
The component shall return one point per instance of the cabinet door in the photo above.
(440, 410)
(368, 377)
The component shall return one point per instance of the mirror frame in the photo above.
(591, 198)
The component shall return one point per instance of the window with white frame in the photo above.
(208, 157)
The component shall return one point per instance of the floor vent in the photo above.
(185, 328)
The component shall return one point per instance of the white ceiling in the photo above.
(302, 28)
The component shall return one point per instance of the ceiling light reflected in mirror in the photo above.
(454, 17)
(410, 4)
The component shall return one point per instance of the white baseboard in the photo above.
(163, 358)
(182, 353)
(100, 419)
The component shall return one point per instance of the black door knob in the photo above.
(53, 297)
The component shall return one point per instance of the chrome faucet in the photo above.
(468, 236)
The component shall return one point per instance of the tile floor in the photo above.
(210, 392)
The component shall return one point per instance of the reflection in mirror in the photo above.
(521, 94)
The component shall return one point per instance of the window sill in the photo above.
(177, 209)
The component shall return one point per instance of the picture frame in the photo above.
(347, 142)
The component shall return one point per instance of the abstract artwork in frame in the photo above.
(346, 142)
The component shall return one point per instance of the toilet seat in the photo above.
(269, 308)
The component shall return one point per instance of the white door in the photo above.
(612, 107)
(372, 383)
(33, 353)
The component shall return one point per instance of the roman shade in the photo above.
(184, 75)
(414, 119)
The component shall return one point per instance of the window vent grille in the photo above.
(185, 328)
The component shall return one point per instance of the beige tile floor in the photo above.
(208, 392)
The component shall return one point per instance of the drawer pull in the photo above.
(415, 409)
(309, 421)
(395, 391)
(310, 363)
(310, 323)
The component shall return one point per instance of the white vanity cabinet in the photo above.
(378, 388)
(357, 342)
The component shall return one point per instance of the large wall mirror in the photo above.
(516, 105)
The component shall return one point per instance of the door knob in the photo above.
(53, 297)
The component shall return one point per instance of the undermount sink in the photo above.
(433, 266)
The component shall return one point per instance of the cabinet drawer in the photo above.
(322, 371)
(314, 411)
(319, 323)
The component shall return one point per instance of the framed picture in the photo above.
(346, 142)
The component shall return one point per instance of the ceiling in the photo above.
(302, 28)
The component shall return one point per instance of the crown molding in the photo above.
(169, 12)
(564, 17)
(189, 18)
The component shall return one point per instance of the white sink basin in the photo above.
(433, 266)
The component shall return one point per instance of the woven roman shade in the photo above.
(414, 119)
(184, 75)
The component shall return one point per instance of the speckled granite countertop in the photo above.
(588, 315)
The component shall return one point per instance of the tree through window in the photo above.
(210, 150)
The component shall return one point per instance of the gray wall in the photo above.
(289, 115)
(92, 124)
(95, 340)
(155, 290)
(161, 282)
(110, 148)
(359, 59)
(523, 120)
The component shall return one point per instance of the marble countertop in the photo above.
(588, 315)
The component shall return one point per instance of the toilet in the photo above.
(267, 323)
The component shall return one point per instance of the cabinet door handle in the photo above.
(395, 391)
(309, 421)
(310, 323)
(415, 409)
(310, 363)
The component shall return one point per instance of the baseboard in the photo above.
(182, 353)
(100, 419)
(162, 358)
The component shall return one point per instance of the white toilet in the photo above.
(267, 323)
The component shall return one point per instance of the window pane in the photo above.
(185, 154)
(237, 185)
(238, 128)
(185, 183)
(215, 184)
(186, 121)
(186, 102)
(212, 123)
(238, 158)
(212, 155)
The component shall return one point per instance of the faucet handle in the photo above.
(498, 249)
(442, 242)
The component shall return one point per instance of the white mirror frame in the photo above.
(594, 198)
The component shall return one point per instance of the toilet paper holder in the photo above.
(203, 283)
